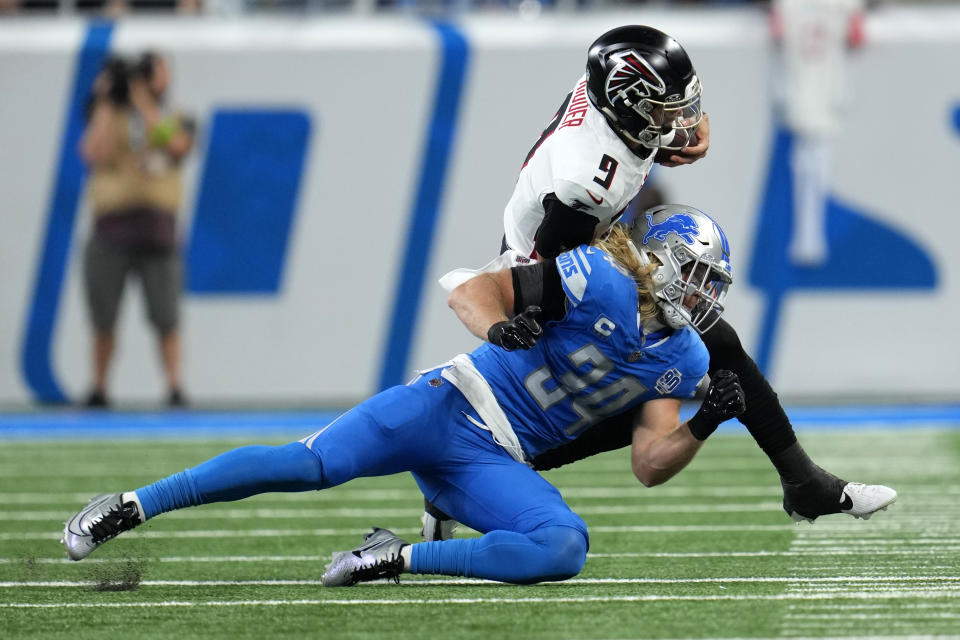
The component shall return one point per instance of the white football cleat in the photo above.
(863, 500)
(859, 500)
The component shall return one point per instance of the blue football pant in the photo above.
(531, 535)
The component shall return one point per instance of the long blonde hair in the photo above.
(617, 244)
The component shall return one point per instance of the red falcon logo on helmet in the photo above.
(633, 73)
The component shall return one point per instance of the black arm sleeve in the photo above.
(612, 433)
(563, 228)
(764, 418)
(539, 284)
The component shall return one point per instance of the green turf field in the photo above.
(709, 555)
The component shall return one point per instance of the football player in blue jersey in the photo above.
(570, 341)
(639, 103)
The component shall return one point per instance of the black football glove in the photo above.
(519, 333)
(724, 400)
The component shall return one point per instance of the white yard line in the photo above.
(167, 559)
(855, 553)
(800, 553)
(872, 637)
(346, 494)
(282, 533)
(343, 495)
(896, 616)
(717, 465)
(920, 520)
(947, 583)
(853, 595)
(251, 513)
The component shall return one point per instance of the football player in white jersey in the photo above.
(592, 161)
(639, 103)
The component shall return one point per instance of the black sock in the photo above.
(793, 464)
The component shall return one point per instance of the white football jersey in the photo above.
(582, 161)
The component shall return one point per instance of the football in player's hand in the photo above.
(663, 155)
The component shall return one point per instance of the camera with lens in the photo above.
(119, 71)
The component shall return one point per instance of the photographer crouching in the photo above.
(134, 146)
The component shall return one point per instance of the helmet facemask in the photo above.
(695, 295)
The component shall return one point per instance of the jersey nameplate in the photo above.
(577, 111)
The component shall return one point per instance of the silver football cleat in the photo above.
(378, 557)
(104, 517)
(860, 500)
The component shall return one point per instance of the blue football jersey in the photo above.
(593, 363)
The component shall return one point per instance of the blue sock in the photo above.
(234, 475)
(550, 553)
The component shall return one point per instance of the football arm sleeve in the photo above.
(563, 228)
(528, 294)
(764, 418)
(539, 285)
(533, 285)
(612, 433)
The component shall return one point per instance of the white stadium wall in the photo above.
(399, 142)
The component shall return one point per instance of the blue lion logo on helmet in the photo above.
(679, 223)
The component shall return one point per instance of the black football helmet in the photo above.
(644, 83)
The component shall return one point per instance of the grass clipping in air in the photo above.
(118, 576)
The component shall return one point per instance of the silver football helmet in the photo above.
(693, 263)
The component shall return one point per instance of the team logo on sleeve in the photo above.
(633, 76)
(679, 223)
(668, 382)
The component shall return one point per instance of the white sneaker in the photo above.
(104, 518)
(859, 500)
(863, 500)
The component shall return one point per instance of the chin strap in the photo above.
(673, 316)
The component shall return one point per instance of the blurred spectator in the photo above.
(134, 146)
(110, 8)
(816, 36)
